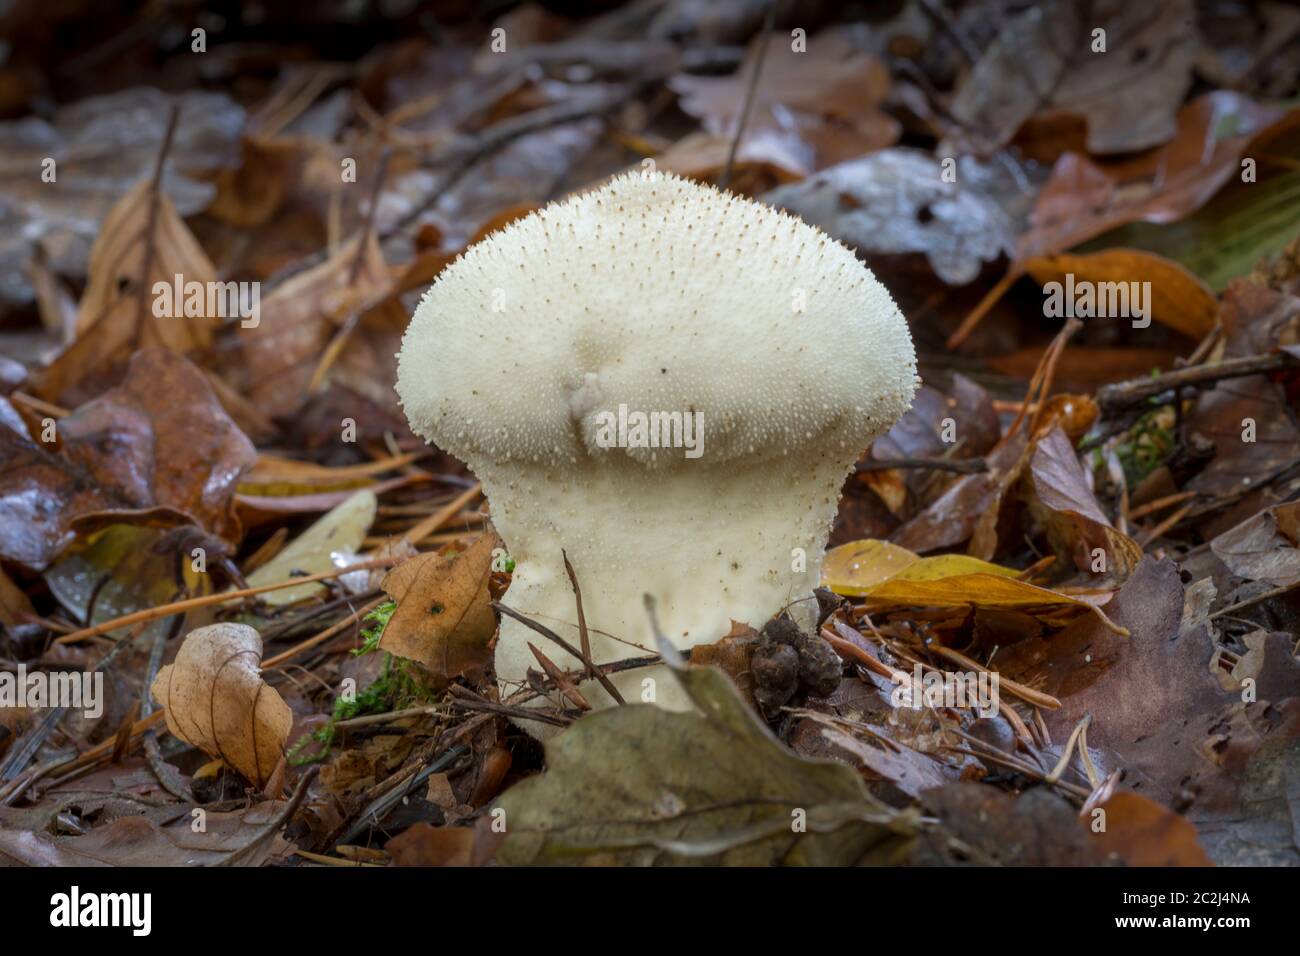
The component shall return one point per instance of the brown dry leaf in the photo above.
(444, 617)
(427, 845)
(143, 241)
(15, 605)
(1180, 738)
(100, 145)
(731, 655)
(955, 515)
(816, 108)
(134, 841)
(1143, 833)
(1064, 502)
(216, 700)
(909, 770)
(299, 319)
(1263, 548)
(157, 449)
(759, 166)
(1042, 63)
(1178, 299)
(1083, 199)
(1037, 828)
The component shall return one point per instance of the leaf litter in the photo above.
(294, 603)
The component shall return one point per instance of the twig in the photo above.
(189, 604)
(325, 635)
(241, 856)
(1258, 598)
(23, 749)
(582, 617)
(417, 532)
(1121, 395)
(765, 39)
(547, 633)
(151, 221)
(379, 807)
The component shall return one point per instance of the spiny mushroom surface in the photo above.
(656, 295)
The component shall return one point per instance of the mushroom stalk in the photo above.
(670, 384)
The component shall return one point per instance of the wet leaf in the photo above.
(899, 201)
(158, 449)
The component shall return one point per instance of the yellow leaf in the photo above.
(951, 565)
(858, 568)
(892, 577)
(1177, 298)
(340, 532)
(974, 590)
(854, 569)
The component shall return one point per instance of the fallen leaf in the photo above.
(426, 845)
(99, 146)
(1044, 62)
(1177, 298)
(444, 617)
(137, 841)
(1258, 550)
(333, 540)
(1036, 828)
(1076, 526)
(817, 109)
(217, 701)
(857, 567)
(157, 449)
(143, 241)
(1143, 833)
(641, 785)
(899, 201)
(1083, 199)
(299, 318)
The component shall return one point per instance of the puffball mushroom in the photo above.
(532, 355)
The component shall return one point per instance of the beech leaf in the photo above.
(217, 701)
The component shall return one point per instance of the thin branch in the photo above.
(751, 93)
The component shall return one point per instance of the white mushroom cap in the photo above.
(661, 295)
